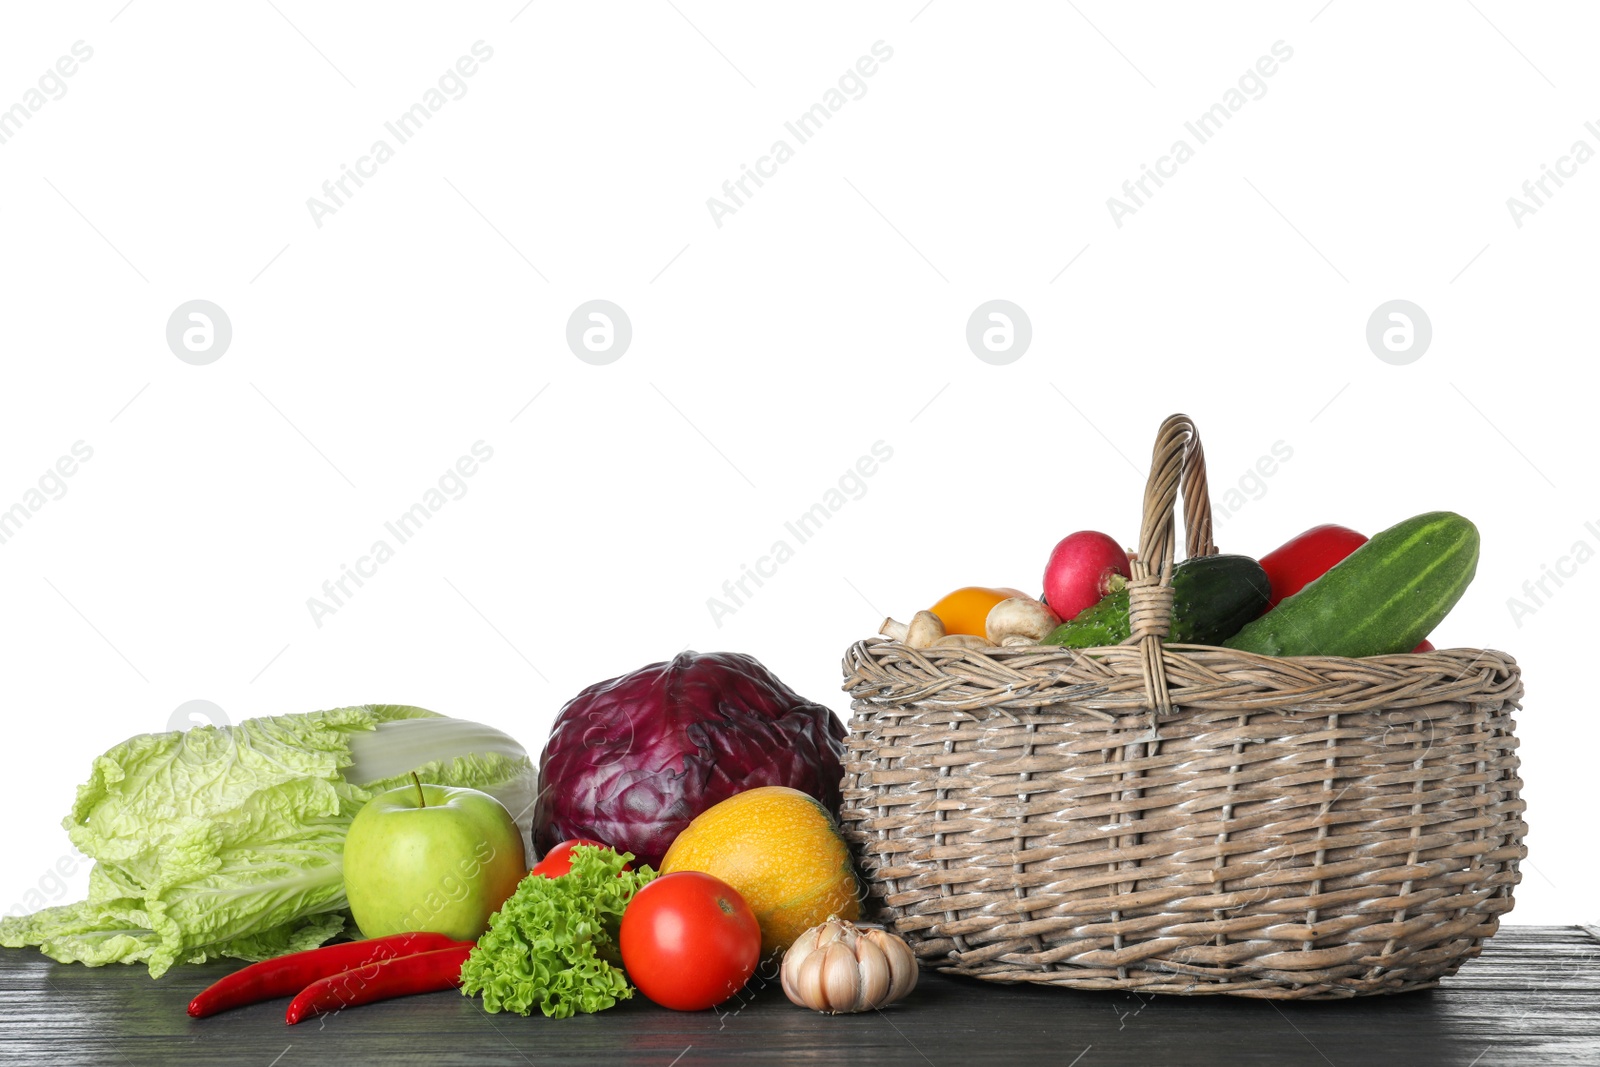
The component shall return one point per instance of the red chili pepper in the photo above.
(288, 975)
(424, 972)
(1301, 560)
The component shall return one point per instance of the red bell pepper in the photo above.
(1302, 560)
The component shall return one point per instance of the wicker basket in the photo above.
(1185, 818)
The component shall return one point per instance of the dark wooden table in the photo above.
(1532, 998)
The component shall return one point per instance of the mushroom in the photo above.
(925, 628)
(1019, 620)
(961, 641)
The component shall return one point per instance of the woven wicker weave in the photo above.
(1183, 818)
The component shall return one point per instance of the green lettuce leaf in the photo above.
(228, 841)
(554, 941)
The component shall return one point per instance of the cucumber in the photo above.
(1212, 596)
(1381, 599)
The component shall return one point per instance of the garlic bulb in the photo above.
(842, 967)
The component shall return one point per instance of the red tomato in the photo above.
(558, 861)
(689, 941)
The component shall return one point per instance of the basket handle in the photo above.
(1177, 461)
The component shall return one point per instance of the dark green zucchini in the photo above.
(1212, 597)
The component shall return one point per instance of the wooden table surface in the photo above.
(1533, 997)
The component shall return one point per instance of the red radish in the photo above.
(1426, 646)
(1080, 570)
(1302, 560)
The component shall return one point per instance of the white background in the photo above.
(769, 353)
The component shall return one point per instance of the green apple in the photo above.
(431, 857)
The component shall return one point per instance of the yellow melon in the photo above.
(780, 849)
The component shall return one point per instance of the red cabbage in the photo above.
(632, 760)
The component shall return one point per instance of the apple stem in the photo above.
(422, 801)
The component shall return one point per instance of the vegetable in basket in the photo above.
(1016, 620)
(1021, 620)
(227, 841)
(963, 611)
(1212, 597)
(1306, 557)
(1081, 570)
(1381, 599)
